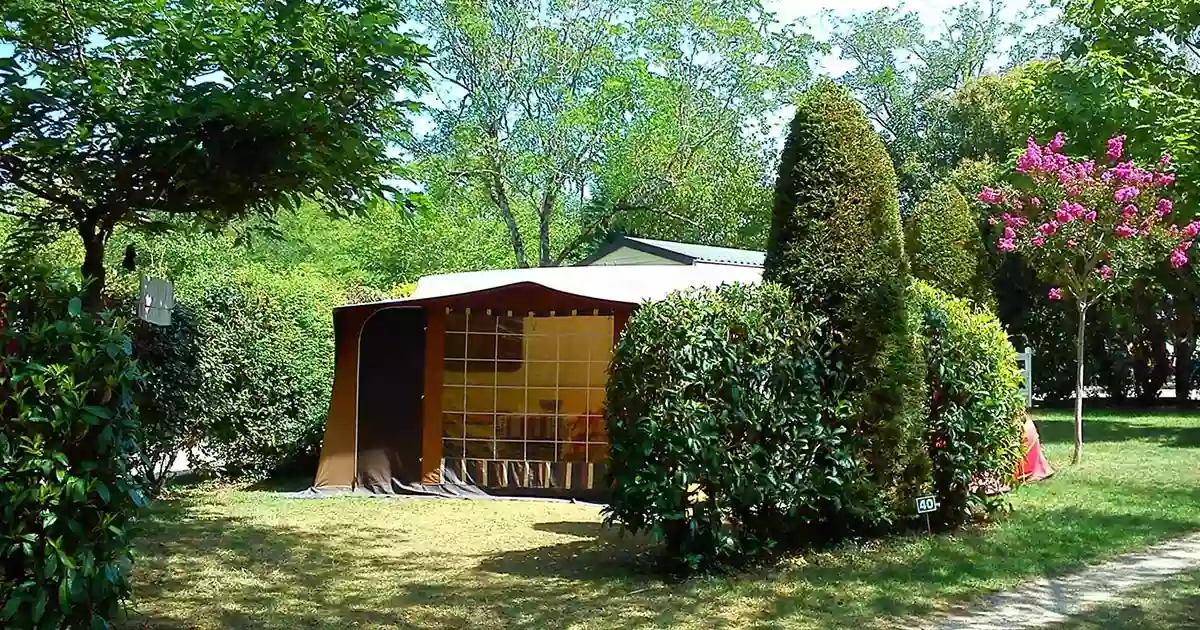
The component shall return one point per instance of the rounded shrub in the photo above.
(836, 242)
(944, 245)
(976, 411)
(728, 441)
(67, 429)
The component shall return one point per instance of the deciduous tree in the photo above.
(129, 112)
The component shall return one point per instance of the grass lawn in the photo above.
(1168, 606)
(238, 558)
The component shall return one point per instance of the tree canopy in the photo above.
(132, 112)
(563, 120)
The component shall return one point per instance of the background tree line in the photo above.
(517, 134)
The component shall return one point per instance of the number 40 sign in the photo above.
(927, 505)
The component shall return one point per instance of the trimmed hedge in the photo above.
(728, 440)
(67, 429)
(266, 366)
(976, 411)
(944, 245)
(836, 242)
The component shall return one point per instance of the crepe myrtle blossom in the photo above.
(1085, 224)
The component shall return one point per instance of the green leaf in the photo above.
(11, 607)
(39, 608)
(75, 307)
(102, 490)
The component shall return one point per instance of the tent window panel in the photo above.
(480, 377)
(572, 428)
(452, 449)
(539, 451)
(598, 453)
(539, 428)
(574, 374)
(480, 449)
(510, 450)
(453, 425)
(510, 427)
(514, 326)
(541, 348)
(526, 387)
(572, 452)
(542, 401)
(479, 426)
(480, 399)
(456, 346)
(598, 373)
(597, 430)
(453, 399)
(454, 371)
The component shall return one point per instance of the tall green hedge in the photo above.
(944, 245)
(265, 342)
(976, 411)
(728, 436)
(67, 429)
(836, 242)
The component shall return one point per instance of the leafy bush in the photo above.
(944, 246)
(266, 365)
(170, 396)
(727, 438)
(836, 242)
(67, 428)
(976, 410)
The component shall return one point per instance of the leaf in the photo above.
(10, 607)
(75, 307)
(102, 490)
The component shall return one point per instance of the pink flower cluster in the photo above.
(1179, 256)
(1089, 205)
(1116, 148)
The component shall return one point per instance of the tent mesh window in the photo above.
(525, 388)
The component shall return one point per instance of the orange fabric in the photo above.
(1035, 466)
(336, 467)
(431, 434)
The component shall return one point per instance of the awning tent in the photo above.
(486, 381)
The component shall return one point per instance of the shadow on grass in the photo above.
(196, 565)
(1106, 430)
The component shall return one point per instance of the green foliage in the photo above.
(836, 242)
(67, 429)
(569, 119)
(728, 437)
(974, 427)
(944, 246)
(909, 74)
(169, 397)
(266, 366)
(121, 111)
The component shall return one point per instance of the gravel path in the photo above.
(1051, 600)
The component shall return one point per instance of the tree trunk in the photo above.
(1185, 348)
(1078, 455)
(545, 213)
(93, 268)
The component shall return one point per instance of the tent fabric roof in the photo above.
(687, 253)
(625, 284)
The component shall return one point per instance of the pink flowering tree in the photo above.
(1088, 228)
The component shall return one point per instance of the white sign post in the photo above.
(927, 505)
